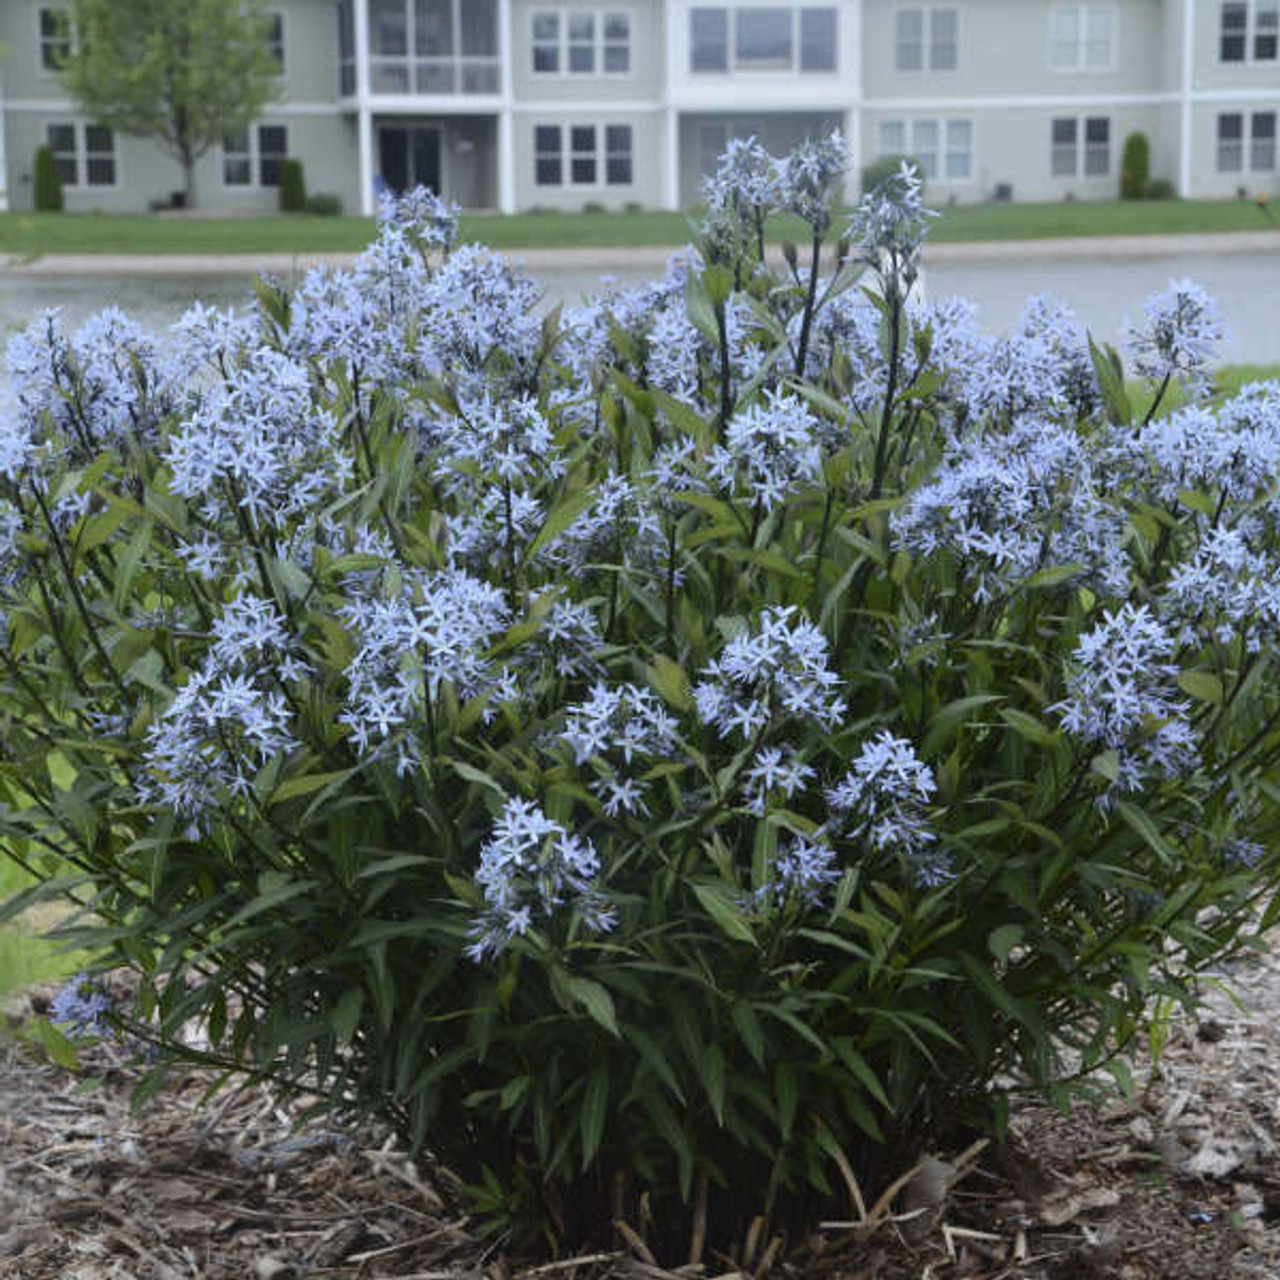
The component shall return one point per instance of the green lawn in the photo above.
(32, 235)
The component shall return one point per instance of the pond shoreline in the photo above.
(646, 258)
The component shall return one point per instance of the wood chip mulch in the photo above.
(1181, 1181)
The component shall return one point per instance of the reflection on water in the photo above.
(1104, 294)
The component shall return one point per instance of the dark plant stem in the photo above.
(810, 302)
(726, 373)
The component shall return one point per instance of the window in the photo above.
(817, 39)
(943, 148)
(275, 37)
(55, 38)
(775, 38)
(1250, 31)
(84, 153)
(762, 40)
(593, 151)
(255, 157)
(548, 159)
(1261, 152)
(433, 46)
(1080, 148)
(1082, 37)
(709, 39)
(927, 39)
(582, 42)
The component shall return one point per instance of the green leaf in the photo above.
(1029, 727)
(60, 1050)
(595, 1106)
(1202, 686)
(671, 682)
(787, 1091)
(1110, 374)
(562, 516)
(749, 1030)
(305, 785)
(859, 1067)
(1053, 577)
(596, 1000)
(275, 890)
(713, 1079)
(1107, 765)
(948, 720)
(1003, 940)
(717, 903)
(1141, 822)
(344, 1017)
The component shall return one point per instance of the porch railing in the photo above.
(401, 74)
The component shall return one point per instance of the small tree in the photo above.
(1135, 171)
(183, 72)
(48, 185)
(293, 187)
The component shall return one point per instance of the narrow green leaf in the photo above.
(596, 1000)
(717, 903)
(1202, 686)
(595, 1107)
(1141, 822)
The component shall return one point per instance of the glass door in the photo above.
(411, 156)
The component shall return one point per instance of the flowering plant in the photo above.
(663, 756)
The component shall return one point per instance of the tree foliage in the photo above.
(182, 72)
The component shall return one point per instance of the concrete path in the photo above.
(647, 258)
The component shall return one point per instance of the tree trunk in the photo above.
(189, 180)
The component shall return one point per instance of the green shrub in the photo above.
(325, 205)
(1161, 189)
(680, 754)
(48, 185)
(884, 168)
(1135, 167)
(293, 187)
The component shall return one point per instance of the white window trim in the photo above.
(909, 132)
(752, 73)
(926, 47)
(562, 71)
(47, 73)
(82, 182)
(1246, 143)
(1081, 67)
(255, 183)
(601, 155)
(1250, 31)
(1081, 146)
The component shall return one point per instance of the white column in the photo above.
(506, 161)
(364, 108)
(673, 68)
(4, 168)
(506, 120)
(853, 149)
(671, 159)
(1185, 121)
(851, 75)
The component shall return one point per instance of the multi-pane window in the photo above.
(433, 46)
(1250, 31)
(582, 155)
(84, 153)
(772, 38)
(927, 39)
(255, 157)
(1080, 147)
(1082, 37)
(275, 37)
(1259, 156)
(55, 38)
(943, 148)
(581, 42)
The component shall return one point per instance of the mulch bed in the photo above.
(1179, 1182)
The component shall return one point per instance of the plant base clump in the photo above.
(669, 757)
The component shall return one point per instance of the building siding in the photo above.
(1004, 88)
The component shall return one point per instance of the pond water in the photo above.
(1105, 294)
